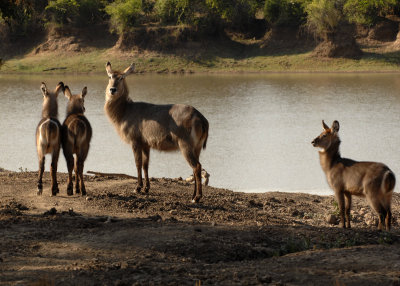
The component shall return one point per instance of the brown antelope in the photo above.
(162, 127)
(346, 177)
(77, 133)
(48, 136)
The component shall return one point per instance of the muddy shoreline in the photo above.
(116, 237)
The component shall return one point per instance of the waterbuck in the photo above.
(77, 133)
(162, 127)
(347, 177)
(48, 136)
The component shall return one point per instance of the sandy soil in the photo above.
(115, 237)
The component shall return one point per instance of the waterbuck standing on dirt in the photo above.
(162, 127)
(372, 180)
(48, 136)
(77, 133)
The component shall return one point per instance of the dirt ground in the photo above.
(116, 237)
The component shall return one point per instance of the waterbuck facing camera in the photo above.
(162, 127)
(347, 177)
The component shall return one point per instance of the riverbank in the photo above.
(72, 52)
(151, 62)
(115, 237)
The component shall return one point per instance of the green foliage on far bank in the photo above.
(23, 16)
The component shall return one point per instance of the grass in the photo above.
(94, 62)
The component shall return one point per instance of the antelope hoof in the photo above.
(54, 192)
(196, 199)
(39, 192)
(77, 191)
(146, 189)
(137, 190)
(83, 193)
(69, 191)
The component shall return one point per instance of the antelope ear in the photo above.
(84, 91)
(60, 86)
(128, 70)
(44, 89)
(67, 92)
(335, 126)
(108, 69)
(326, 127)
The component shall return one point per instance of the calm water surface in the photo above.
(261, 126)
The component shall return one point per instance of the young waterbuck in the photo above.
(372, 180)
(162, 127)
(48, 136)
(77, 133)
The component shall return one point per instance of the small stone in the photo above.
(331, 219)
(362, 211)
(370, 220)
(173, 212)
(124, 265)
(52, 211)
(265, 279)
(297, 213)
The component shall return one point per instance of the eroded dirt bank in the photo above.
(115, 237)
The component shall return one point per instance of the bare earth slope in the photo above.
(115, 237)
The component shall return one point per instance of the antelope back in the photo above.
(48, 131)
(77, 129)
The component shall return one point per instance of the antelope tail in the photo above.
(204, 125)
(389, 181)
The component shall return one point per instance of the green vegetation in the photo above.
(324, 16)
(74, 12)
(124, 14)
(368, 12)
(19, 19)
(24, 15)
(285, 12)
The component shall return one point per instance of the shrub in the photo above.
(173, 11)
(63, 11)
(90, 12)
(324, 16)
(75, 12)
(285, 12)
(124, 14)
(367, 12)
(238, 13)
(23, 16)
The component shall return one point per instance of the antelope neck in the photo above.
(330, 156)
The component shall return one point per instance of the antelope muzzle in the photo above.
(113, 90)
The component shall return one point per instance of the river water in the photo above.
(261, 125)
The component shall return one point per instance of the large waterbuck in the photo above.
(77, 134)
(162, 127)
(48, 136)
(347, 177)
